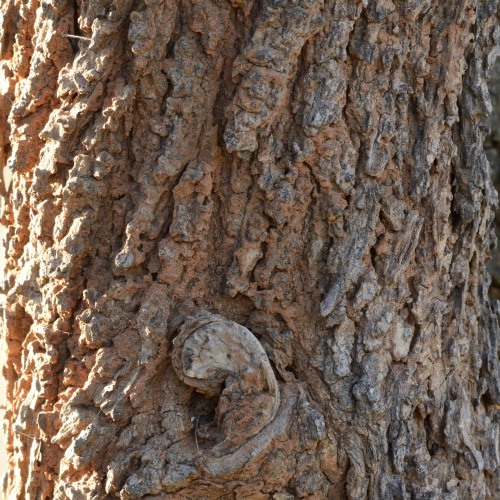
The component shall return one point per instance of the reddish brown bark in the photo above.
(246, 249)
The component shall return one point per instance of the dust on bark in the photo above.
(309, 173)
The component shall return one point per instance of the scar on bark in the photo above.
(220, 358)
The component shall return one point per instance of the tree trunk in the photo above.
(492, 147)
(246, 249)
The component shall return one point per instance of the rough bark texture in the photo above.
(246, 249)
(492, 147)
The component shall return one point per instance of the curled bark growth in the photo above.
(237, 430)
(211, 351)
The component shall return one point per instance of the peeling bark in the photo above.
(246, 249)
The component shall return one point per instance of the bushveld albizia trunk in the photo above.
(492, 148)
(246, 249)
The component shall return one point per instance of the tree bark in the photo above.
(246, 249)
(492, 147)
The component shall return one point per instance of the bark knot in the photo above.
(220, 358)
